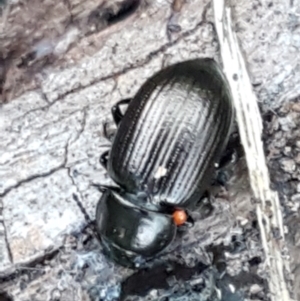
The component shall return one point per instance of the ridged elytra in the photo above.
(162, 157)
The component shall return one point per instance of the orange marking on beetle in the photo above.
(179, 217)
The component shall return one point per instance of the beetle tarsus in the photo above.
(108, 136)
(204, 205)
(187, 225)
(103, 159)
(230, 156)
(189, 222)
(116, 111)
(172, 25)
(221, 178)
(233, 151)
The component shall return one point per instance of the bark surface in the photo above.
(62, 66)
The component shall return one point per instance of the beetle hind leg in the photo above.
(116, 111)
(229, 158)
(189, 223)
(205, 204)
(221, 178)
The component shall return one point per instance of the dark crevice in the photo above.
(3, 71)
(10, 256)
(81, 207)
(29, 268)
(26, 59)
(141, 282)
(37, 176)
(152, 55)
(101, 18)
(82, 123)
(32, 178)
(2, 3)
(30, 60)
(3, 295)
(26, 114)
(254, 261)
(44, 97)
(110, 15)
(243, 279)
(69, 7)
(75, 197)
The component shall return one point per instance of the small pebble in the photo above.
(296, 197)
(286, 123)
(296, 107)
(231, 287)
(288, 165)
(255, 289)
(287, 150)
(297, 159)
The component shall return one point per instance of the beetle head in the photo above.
(129, 233)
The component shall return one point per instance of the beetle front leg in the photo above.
(103, 159)
(116, 111)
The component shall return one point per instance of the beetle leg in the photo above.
(233, 151)
(116, 111)
(230, 156)
(221, 178)
(237, 244)
(189, 222)
(103, 159)
(105, 133)
(108, 136)
(222, 173)
(172, 25)
(204, 205)
(104, 188)
(186, 226)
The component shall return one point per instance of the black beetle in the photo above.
(163, 157)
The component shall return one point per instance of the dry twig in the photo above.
(250, 128)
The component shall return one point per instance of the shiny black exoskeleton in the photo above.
(163, 157)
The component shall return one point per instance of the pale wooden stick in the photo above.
(250, 128)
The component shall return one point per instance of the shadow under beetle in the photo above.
(162, 157)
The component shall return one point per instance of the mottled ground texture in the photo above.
(63, 64)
